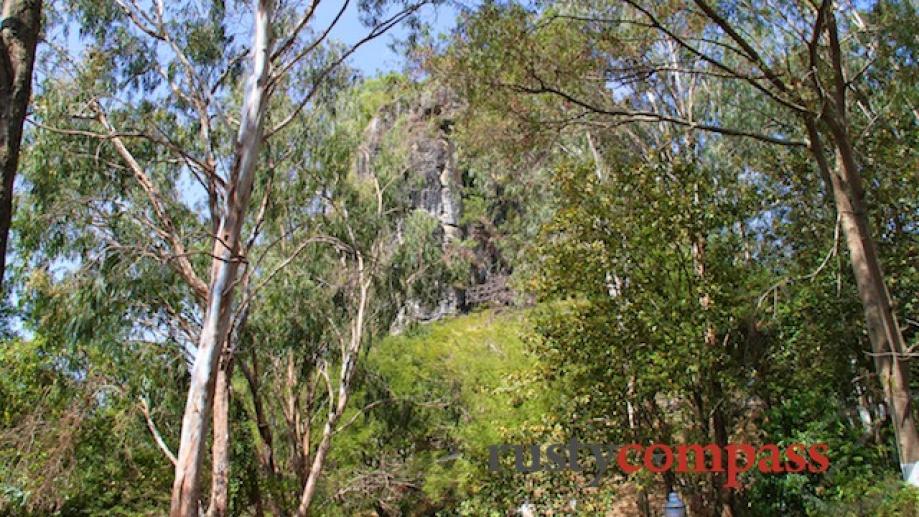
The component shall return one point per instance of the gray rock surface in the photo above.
(424, 124)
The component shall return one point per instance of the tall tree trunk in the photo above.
(18, 40)
(220, 451)
(347, 369)
(883, 331)
(186, 486)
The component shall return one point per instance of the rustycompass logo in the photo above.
(732, 459)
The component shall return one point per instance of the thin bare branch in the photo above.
(145, 409)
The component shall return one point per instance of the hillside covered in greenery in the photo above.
(561, 258)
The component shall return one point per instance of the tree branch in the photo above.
(649, 116)
(145, 409)
(183, 265)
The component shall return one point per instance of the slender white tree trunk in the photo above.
(186, 486)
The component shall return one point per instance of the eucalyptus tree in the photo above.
(19, 34)
(339, 253)
(157, 86)
(792, 75)
(642, 246)
(806, 59)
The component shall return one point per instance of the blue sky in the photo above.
(376, 56)
(372, 58)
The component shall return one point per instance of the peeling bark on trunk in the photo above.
(220, 451)
(186, 486)
(18, 40)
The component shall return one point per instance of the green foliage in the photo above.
(446, 391)
(881, 496)
(72, 443)
(689, 287)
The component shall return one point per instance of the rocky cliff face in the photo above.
(423, 124)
